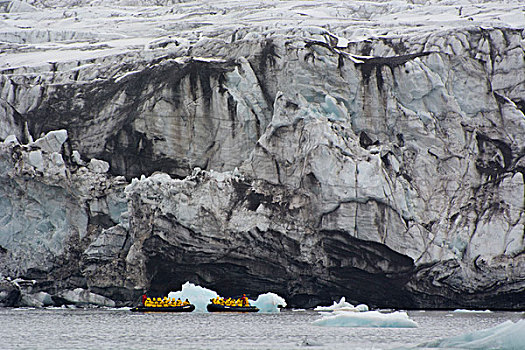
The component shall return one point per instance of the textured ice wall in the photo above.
(377, 143)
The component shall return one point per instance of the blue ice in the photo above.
(506, 336)
(396, 319)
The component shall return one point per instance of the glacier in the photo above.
(371, 149)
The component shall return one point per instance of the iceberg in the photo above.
(197, 295)
(506, 336)
(269, 302)
(200, 297)
(343, 305)
(396, 319)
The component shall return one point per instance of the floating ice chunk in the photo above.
(197, 295)
(362, 308)
(269, 302)
(463, 311)
(396, 319)
(506, 336)
(341, 305)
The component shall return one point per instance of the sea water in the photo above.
(63, 328)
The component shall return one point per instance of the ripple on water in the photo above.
(99, 329)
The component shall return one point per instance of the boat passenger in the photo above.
(186, 302)
(245, 301)
(238, 302)
(148, 302)
(179, 302)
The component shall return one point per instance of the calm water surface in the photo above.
(121, 329)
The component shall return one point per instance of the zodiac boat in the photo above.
(185, 308)
(225, 308)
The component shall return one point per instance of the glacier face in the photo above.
(372, 150)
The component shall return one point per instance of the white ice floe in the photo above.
(335, 306)
(343, 305)
(200, 297)
(506, 336)
(463, 311)
(396, 319)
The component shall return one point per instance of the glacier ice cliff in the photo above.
(371, 150)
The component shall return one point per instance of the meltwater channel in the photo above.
(98, 329)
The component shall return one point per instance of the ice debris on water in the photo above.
(343, 305)
(463, 311)
(344, 314)
(200, 297)
(505, 336)
(397, 319)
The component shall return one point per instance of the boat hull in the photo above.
(187, 308)
(224, 308)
